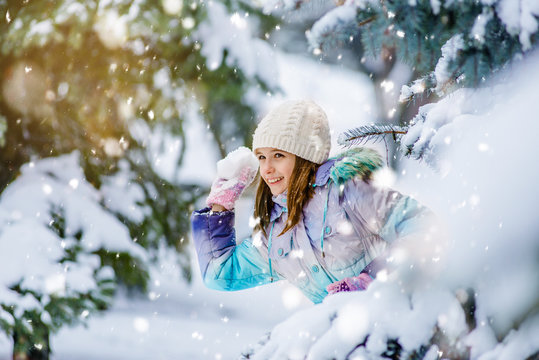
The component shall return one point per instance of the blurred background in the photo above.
(113, 114)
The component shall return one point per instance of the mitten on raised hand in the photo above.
(360, 282)
(234, 173)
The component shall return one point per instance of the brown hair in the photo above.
(300, 190)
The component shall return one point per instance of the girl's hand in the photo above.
(360, 282)
(234, 173)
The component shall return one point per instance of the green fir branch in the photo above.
(374, 132)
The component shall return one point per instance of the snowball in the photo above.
(231, 166)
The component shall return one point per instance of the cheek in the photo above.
(290, 170)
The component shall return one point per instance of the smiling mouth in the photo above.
(273, 181)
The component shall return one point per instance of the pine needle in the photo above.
(375, 133)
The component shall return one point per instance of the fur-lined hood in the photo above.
(357, 162)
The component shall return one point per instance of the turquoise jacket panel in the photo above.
(223, 264)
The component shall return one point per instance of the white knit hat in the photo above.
(298, 127)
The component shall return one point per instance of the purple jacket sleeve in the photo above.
(213, 234)
(223, 264)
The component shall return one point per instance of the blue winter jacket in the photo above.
(344, 227)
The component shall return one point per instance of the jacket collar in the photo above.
(279, 206)
(323, 173)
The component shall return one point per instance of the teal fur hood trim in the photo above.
(358, 162)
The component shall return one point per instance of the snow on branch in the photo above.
(233, 34)
(336, 27)
(339, 25)
(279, 6)
(520, 17)
(442, 71)
(366, 324)
(52, 228)
(433, 128)
(272, 5)
(417, 88)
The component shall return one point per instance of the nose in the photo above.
(267, 167)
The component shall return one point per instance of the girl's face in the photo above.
(276, 168)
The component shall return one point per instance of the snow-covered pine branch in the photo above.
(452, 44)
(436, 126)
(298, 6)
(55, 239)
(230, 37)
(485, 38)
(338, 26)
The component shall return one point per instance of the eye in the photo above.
(261, 157)
(279, 155)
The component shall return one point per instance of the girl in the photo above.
(322, 225)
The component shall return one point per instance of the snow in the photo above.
(25, 260)
(518, 344)
(435, 4)
(519, 17)
(352, 105)
(449, 53)
(231, 166)
(270, 6)
(73, 194)
(479, 202)
(198, 165)
(233, 32)
(47, 191)
(430, 136)
(122, 195)
(478, 29)
(408, 92)
(334, 22)
(176, 320)
(334, 328)
(26, 207)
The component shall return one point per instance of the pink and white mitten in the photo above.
(234, 173)
(355, 283)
